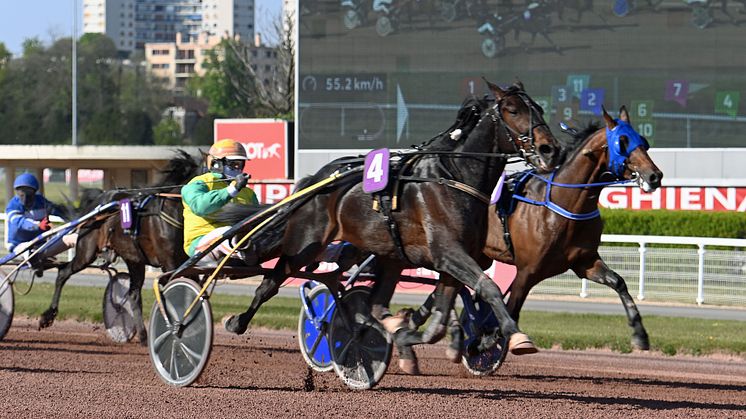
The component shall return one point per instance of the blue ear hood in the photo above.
(617, 156)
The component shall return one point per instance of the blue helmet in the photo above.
(26, 179)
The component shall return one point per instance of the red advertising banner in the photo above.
(705, 198)
(265, 141)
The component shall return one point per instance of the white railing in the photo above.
(692, 271)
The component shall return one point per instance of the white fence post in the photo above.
(583, 288)
(641, 293)
(701, 275)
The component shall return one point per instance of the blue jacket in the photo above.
(23, 224)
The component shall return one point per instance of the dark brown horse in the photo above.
(547, 243)
(436, 226)
(156, 241)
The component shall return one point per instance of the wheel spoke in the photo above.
(173, 369)
(343, 353)
(160, 340)
(191, 356)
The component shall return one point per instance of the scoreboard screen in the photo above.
(392, 73)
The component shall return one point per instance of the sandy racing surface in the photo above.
(73, 370)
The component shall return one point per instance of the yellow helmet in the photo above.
(228, 149)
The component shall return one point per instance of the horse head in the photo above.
(523, 123)
(627, 153)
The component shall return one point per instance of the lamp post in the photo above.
(75, 72)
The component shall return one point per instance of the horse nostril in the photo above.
(653, 179)
(546, 150)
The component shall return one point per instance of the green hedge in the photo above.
(675, 223)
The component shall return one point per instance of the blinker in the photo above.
(617, 156)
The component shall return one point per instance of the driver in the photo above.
(204, 195)
(28, 215)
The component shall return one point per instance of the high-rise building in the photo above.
(114, 18)
(133, 23)
(229, 17)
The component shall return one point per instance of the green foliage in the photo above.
(5, 55)
(167, 132)
(117, 104)
(675, 223)
(235, 86)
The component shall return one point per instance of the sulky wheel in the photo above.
(7, 305)
(493, 46)
(313, 327)
(483, 353)
(361, 351)
(448, 11)
(352, 19)
(119, 318)
(384, 26)
(180, 350)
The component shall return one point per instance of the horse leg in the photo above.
(602, 274)
(84, 256)
(519, 290)
(458, 264)
(137, 279)
(267, 289)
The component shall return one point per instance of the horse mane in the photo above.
(179, 169)
(467, 118)
(573, 143)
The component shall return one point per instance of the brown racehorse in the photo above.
(439, 227)
(546, 243)
(157, 241)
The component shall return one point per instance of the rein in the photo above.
(547, 202)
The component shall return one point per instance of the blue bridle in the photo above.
(617, 164)
(617, 157)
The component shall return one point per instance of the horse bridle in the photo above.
(515, 136)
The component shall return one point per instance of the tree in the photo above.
(117, 103)
(5, 55)
(167, 132)
(236, 87)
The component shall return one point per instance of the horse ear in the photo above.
(610, 123)
(519, 84)
(623, 114)
(495, 89)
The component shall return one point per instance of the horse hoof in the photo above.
(641, 344)
(453, 355)
(409, 366)
(520, 344)
(232, 324)
(394, 323)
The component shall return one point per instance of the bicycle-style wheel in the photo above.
(361, 351)
(119, 317)
(313, 327)
(180, 348)
(7, 305)
(481, 327)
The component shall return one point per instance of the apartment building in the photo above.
(177, 62)
(134, 23)
(114, 18)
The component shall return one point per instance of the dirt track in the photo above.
(72, 370)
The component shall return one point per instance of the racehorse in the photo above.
(156, 239)
(560, 228)
(440, 220)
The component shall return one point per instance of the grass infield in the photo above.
(668, 335)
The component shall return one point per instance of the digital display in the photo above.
(391, 73)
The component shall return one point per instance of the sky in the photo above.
(50, 19)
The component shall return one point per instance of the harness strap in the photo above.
(173, 222)
(463, 187)
(385, 204)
